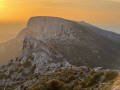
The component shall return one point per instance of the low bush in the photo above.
(41, 85)
(70, 78)
(11, 72)
(2, 75)
(55, 84)
(20, 71)
(7, 76)
(78, 87)
(92, 79)
(27, 64)
(109, 76)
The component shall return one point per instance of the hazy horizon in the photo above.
(15, 13)
(9, 30)
(106, 11)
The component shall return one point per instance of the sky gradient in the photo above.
(14, 14)
(106, 11)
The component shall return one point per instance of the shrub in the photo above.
(30, 57)
(70, 78)
(18, 79)
(68, 72)
(94, 78)
(39, 87)
(109, 76)
(24, 74)
(91, 79)
(55, 84)
(20, 71)
(7, 76)
(27, 64)
(11, 72)
(83, 84)
(2, 75)
(78, 87)
(16, 70)
(19, 65)
(75, 84)
(81, 73)
(19, 60)
(16, 58)
(3, 66)
(33, 68)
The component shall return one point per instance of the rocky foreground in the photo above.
(68, 78)
(40, 65)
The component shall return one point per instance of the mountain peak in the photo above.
(53, 44)
(44, 20)
(40, 18)
(46, 27)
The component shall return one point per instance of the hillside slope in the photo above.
(42, 57)
(80, 45)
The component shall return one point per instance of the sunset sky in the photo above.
(88, 10)
(92, 11)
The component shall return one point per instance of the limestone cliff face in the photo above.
(49, 43)
(79, 43)
(39, 57)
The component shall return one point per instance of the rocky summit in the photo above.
(50, 44)
(79, 43)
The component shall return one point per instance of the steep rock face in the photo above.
(51, 26)
(79, 44)
(108, 34)
(42, 56)
(36, 57)
(39, 57)
(38, 27)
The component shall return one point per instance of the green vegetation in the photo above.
(55, 84)
(33, 68)
(2, 75)
(11, 72)
(27, 64)
(78, 87)
(52, 84)
(19, 65)
(20, 71)
(92, 79)
(31, 58)
(7, 76)
(68, 79)
(110, 76)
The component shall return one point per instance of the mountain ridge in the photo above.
(39, 57)
(86, 44)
